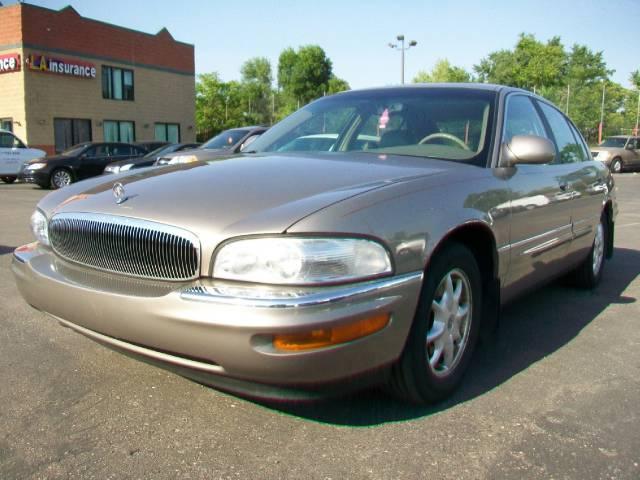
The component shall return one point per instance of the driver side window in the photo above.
(521, 118)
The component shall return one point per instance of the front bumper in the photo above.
(201, 331)
(38, 177)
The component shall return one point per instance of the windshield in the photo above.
(75, 150)
(443, 123)
(225, 140)
(616, 142)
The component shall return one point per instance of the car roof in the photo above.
(427, 86)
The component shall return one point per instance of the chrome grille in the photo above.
(126, 245)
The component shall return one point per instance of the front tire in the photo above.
(616, 165)
(8, 179)
(589, 272)
(60, 177)
(444, 331)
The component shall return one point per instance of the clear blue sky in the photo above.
(355, 34)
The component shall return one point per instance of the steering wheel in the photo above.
(446, 136)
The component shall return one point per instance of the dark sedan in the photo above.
(77, 163)
(226, 143)
(149, 159)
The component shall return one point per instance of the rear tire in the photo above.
(8, 179)
(60, 177)
(616, 165)
(444, 331)
(589, 272)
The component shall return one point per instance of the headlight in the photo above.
(183, 159)
(112, 169)
(300, 261)
(126, 167)
(35, 166)
(39, 227)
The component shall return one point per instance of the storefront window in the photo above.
(117, 83)
(70, 131)
(119, 131)
(167, 132)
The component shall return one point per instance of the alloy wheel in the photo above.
(451, 312)
(61, 178)
(598, 249)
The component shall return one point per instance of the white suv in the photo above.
(13, 155)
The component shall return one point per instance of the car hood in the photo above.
(201, 153)
(239, 195)
(606, 149)
(50, 158)
(132, 160)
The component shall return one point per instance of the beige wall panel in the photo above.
(12, 102)
(159, 97)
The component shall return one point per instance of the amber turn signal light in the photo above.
(325, 337)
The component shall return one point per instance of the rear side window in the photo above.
(581, 142)
(569, 148)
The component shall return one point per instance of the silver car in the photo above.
(379, 257)
(619, 152)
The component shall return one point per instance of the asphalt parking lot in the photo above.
(554, 395)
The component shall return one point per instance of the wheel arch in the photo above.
(480, 240)
(608, 212)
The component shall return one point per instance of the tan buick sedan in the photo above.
(618, 152)
(370, 237)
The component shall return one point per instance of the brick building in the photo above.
(65, 79)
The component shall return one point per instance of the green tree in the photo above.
(531, 64)
(257, 89)
(634, 78)
(443, 71)
(337, 85)
(303, 75)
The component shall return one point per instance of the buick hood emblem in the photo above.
(119, 193)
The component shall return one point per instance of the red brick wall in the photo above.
(67, 30)
(10, 25)
(50, 149)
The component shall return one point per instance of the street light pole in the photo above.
(637, 114)
(601, 126)
(402, 49)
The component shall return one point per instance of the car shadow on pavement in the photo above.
(4, 249)
(530, 329)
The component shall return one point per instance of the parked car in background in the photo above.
(226, 143)
(151, 145)
(619, 152)
(149, 159)
(14, 153)
(293, 274)
(76, 163)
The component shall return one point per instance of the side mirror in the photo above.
(629, 146)
(527, 150)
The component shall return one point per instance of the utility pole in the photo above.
(402, 49)
(637, 114)
(601, 126)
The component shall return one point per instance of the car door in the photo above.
(93, 160)
(634, 150)
(586, 181)
(10, 158)
(540, 228)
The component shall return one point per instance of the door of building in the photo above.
(70, 131)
